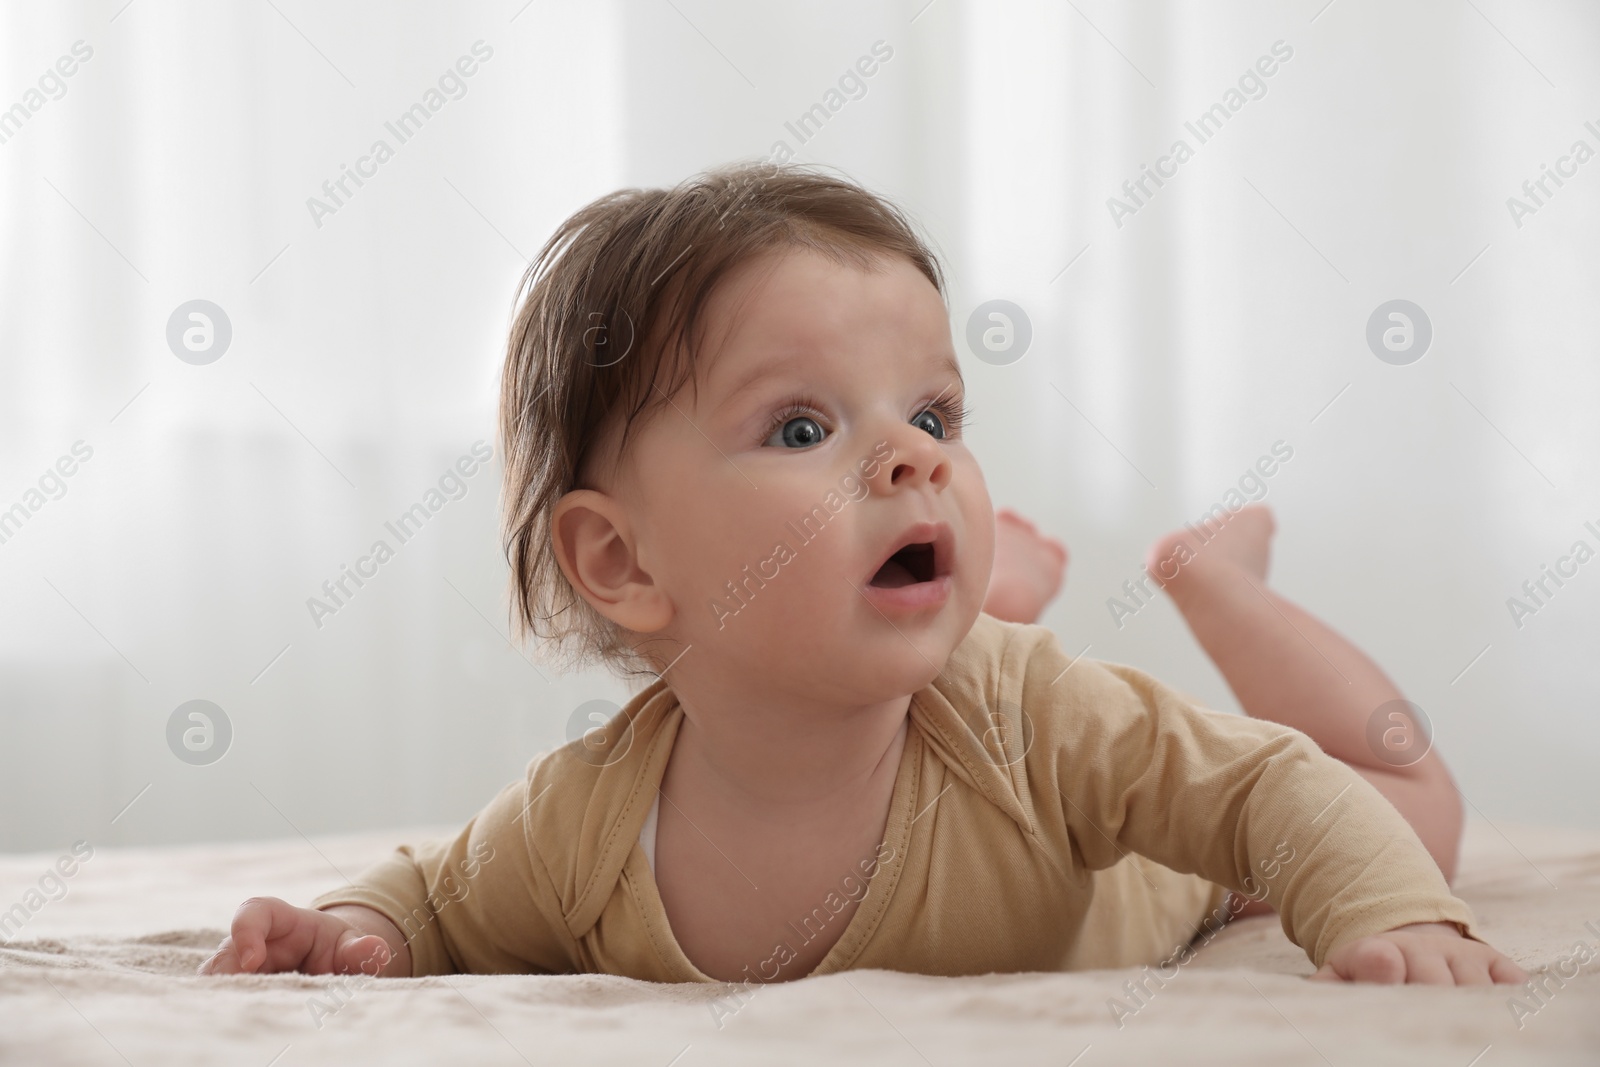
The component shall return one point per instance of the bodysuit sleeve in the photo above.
(479, 903)
(1249, 804)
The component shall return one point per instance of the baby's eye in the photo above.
(929, 421)
(802, 431)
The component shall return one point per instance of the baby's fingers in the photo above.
(1470, 970)
(1464, 961)
(267, 935)
(358, 952)
(1371, 959)
(258, 921)
(223, 961)
(1428, 964)
(1503, 970)
(1428, 960)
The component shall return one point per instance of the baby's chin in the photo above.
(861, 682)
(881, 665)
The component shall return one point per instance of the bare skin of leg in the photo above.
(1282, 664)
(1028, 568)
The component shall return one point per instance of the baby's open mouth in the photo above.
(911, 564)
(923, 553)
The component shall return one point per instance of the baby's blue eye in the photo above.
(930, 422)
(801, 431)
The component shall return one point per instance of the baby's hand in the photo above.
(273, 935)
(1431, 953)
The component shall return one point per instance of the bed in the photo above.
(104, 974)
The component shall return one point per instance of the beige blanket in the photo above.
(104, 975)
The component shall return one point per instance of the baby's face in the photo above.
(812, 510)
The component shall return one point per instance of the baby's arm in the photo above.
(478, 903)
(1257, 807)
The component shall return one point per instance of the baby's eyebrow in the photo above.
(949, 363)
(763, 372)
(758, 375)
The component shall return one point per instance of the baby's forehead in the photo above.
(806, 290)
(798, 311)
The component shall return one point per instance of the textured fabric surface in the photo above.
(105, 976)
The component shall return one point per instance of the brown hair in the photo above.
(598, 337)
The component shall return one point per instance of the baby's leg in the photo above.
(1286, 666)
(1028, 568)
(1282, 664)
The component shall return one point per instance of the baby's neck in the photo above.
(775, 760)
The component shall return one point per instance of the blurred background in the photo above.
(222, 374)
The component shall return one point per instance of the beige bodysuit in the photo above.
(1047, 815)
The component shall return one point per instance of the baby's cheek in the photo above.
(977, 554)
(739, 545)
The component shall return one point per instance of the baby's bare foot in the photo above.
(1195, 556)
(1028, 569)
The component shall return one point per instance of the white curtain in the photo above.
(204, 152)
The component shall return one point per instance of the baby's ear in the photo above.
(594, 547)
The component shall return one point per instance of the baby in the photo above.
(731, 418)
